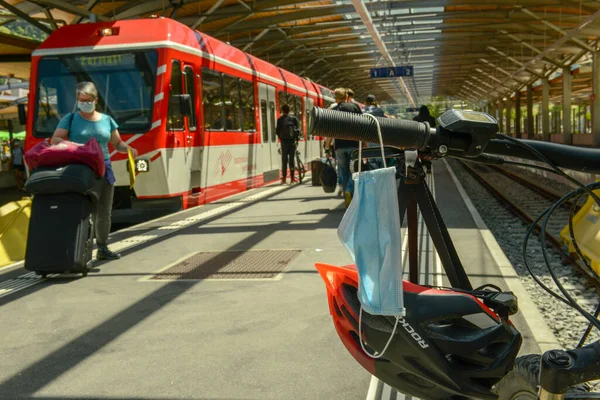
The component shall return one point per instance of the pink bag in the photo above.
(45, 155)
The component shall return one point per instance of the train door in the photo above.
(310, 143)
(266, 99)
(193, 139)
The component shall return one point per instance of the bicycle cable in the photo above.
(572, 302)
(569, 301)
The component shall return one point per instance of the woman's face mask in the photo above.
(86, 106)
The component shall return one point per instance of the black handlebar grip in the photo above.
(351, 126)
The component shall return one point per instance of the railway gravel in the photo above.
(566, 323)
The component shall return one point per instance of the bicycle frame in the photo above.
(560, 369)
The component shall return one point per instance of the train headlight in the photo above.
(142, 165)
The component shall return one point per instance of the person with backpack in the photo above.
(81, 126)
(288, 132)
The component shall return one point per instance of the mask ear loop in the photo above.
(362, 344)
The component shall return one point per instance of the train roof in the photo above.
(158, 32)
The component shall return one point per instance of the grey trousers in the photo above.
(102, 213)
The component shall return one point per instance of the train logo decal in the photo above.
(222, 163)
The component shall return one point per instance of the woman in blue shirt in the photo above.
(85, 124)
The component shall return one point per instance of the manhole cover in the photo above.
(253, 264)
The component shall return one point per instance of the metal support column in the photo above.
(546, 110)
(596, 98)
(518, 133)
(566, 105)
(507, 127)
(500, 114)
(529, 112)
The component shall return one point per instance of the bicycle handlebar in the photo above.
(418, 135)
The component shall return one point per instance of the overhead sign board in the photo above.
(392, 72)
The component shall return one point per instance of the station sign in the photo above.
(392, 72)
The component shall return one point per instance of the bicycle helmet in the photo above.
(448, 346)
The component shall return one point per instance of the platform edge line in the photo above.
(540, 330)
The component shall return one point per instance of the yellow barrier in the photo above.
(14, 225)
(586, 229)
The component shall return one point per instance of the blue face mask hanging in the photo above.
(370, 231)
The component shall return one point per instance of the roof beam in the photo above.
(207, 13)
(580, 43)
(563, 39)
(519, 63)
(51, 19)
(365, 16)
(535, 49)
(68, 7)
(25, 17)
(90, 4)
(257, 37)
(285, 17)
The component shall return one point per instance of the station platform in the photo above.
(221, 302)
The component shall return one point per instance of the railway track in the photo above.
(528, 200)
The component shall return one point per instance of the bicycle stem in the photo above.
(562, 369)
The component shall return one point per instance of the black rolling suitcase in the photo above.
(60, 226)
(60, 234)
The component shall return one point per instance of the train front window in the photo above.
(125, 83)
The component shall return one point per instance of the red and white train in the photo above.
(219, 140)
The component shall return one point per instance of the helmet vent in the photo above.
(337, 308)
(369, 348)
(453, 328)
(415, 380)
(493, 350)
(463, 363)
(349, 317)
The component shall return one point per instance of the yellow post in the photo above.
(14, 226)
(586, 229)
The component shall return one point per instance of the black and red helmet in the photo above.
(449, 345)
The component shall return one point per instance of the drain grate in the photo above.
(253, 264)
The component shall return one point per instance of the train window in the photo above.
(264, 122)
(174, 117)
(231, 102)
(188, 74)
(273, 123)
(212, 99)
(283, 99)
(125, 84)
(296, 108)
(247, 104)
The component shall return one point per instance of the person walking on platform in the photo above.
(372, 108)
(424, 116)
(81, 126)
(17, 164)
(344, 148)
(350, 94)
(288, 131)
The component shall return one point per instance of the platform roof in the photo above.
(467, 49)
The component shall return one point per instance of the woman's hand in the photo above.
(134, 152)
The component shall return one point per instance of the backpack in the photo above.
(328, 177)
(288, 129)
